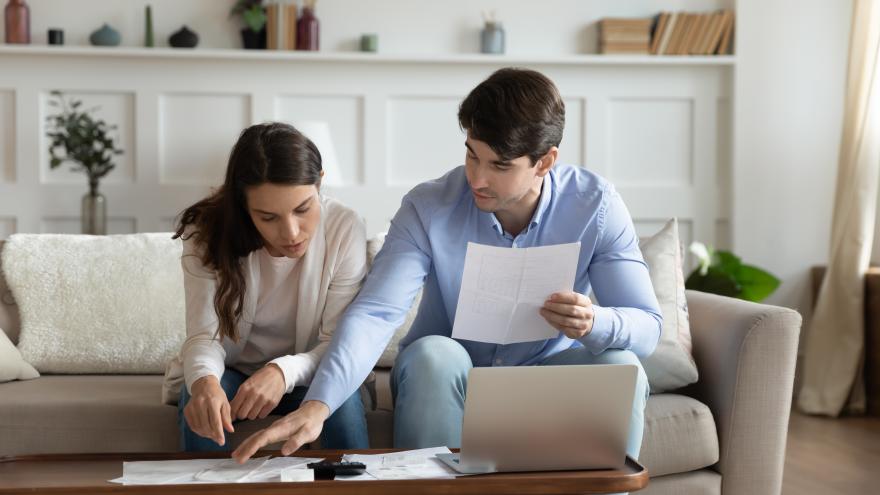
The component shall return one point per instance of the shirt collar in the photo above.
(543, 204)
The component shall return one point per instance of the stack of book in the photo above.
(686, 33)
(281, 26)
(625, 35)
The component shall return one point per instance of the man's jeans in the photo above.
(429, 384)
(345, 429)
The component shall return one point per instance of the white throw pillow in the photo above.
(386, 360)
(12, 366)
(97, 304)
(671, 366)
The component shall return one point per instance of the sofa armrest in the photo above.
(746, 354)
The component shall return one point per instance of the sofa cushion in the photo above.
(87, 413)
(12, 366)
(115, 303)
(702, 482)
(671, 366)
(680, 435)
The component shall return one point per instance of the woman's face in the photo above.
(286, 216)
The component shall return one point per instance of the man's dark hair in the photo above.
(517, 112)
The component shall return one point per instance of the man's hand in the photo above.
(570, 313)
(259, 394)
(297, 428)
(207, 412)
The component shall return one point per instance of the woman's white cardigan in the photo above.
(331, 275)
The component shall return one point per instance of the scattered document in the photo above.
(406, 465)
(275, 468)
(503, 290)
(230, 471)
(187, 471)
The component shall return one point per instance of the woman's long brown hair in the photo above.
(221, 225)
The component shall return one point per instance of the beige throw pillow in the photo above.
(671, 366)
(12, 366)
(97, 304)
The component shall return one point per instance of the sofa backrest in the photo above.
(9, 318)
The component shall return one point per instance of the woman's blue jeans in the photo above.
(345, 429)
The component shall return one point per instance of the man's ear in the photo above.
(546, 162)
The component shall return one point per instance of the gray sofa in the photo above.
(724, 434)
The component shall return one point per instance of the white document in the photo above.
(208, 471)
(274, 469)
(162, 472)
(503, 290)
(406, 465)
(230, 471)
(298, 474)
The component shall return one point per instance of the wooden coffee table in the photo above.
(88, 473)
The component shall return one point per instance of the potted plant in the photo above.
(724, 273)
(77, 136)
(253, 14)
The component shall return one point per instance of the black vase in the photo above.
(253, 40)
(184, 38)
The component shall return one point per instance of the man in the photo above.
(509, 193)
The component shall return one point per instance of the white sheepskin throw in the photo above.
(97, 304)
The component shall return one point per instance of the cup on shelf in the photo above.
(370, 42)
(55, 36)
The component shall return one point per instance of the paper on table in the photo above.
(274, 468)
(161, 472)
(230, 471)
(503, 290)
(186, 471)
(406, 465)
(298, 474)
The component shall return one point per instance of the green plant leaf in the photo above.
(727, 262)
(255, 18)
(77, 137)
(715, 281)
(756, 283)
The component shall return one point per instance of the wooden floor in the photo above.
(832, 456)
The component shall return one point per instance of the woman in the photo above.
(269, 266)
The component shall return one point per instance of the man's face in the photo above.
(498, 185)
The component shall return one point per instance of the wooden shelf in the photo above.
(359, 57)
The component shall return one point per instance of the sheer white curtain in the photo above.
(832, 378)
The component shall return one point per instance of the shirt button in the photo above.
(498, 362)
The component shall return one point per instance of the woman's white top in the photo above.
(290, 309)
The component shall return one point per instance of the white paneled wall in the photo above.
(660, 131)
(196, 131)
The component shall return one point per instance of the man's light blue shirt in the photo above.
(426, 245)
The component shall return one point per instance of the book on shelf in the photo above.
(725, 44)
(622, 48)
(625, 36)
(659, 26)
(281, 26)
(691, 33)
(665, 33)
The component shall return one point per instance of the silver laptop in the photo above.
(545, 418)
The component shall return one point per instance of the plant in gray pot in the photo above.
(253, 14)
(77, 136)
